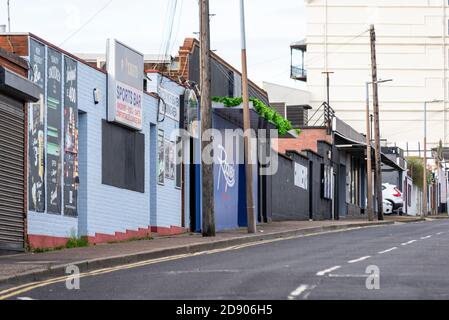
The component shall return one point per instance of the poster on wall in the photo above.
(161, 158)
(170, 160)
(37, 131)
(54, 131)
(301, 176)
(327, 182)
(71, 177)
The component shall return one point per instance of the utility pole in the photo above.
(425, 185)
(328, 85)
(369, 165)
(424, 201)
(250, 208)
(208, 207)
(378, 179)
(9, 18)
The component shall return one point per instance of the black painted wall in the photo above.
(289, 202)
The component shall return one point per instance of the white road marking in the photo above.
(299, 291)
(303, 289)
(439, 233)
(359, 260)
(349, 276)
(324, 272)
(25, 299)
(407, 243)
(389, 250)
(425, 238)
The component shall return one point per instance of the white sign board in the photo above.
(301, 176)
(125, 85)
(170, 104)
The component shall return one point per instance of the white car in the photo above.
(393, 195)
(388, 208)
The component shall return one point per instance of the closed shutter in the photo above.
(12, 175)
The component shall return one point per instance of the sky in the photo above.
(82, 26)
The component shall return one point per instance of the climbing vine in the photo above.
(282, 124)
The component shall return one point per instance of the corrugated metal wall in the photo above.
(12, 141)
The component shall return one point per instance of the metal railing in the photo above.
(298, 73)
(322, 117)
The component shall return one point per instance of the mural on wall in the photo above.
(54, 131)
(71, 176)
(37, 131)
(226, 177)
(170, 160)
(161, 157)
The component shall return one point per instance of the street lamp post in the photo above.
(425, 195)
(369, 165)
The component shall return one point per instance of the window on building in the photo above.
(123, 157)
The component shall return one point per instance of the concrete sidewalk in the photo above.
(24, 268)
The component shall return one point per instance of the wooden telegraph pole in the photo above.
(378, 173)
(206, 121)
(250, 208)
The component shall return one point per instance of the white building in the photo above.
(412, 48)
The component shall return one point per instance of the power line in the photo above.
(87, 22)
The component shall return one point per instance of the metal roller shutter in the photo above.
(12, 176)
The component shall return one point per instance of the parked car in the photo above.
(388, 208)
(393, 195)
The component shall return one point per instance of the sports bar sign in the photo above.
(125, 85)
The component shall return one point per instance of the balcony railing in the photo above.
(298, 73)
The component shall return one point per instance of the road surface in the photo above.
(412, 260)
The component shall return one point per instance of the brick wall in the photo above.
(308, 140)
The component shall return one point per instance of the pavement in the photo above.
(395, 262)
(29, 267)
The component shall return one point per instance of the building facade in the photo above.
(93, 173)
(412, 49)
(16, 91)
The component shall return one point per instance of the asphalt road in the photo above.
(412, 259)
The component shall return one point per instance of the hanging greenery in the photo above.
(282, 124)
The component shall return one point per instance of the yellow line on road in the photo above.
(12, 292)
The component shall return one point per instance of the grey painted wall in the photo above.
(289, 202)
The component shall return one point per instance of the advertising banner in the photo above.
(54, 131)
(125, 67)
(71, 177)
(161, 157)
(170, 166)
(36, 138)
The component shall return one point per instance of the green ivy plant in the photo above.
(282, 124)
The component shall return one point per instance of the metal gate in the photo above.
(12, 175)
